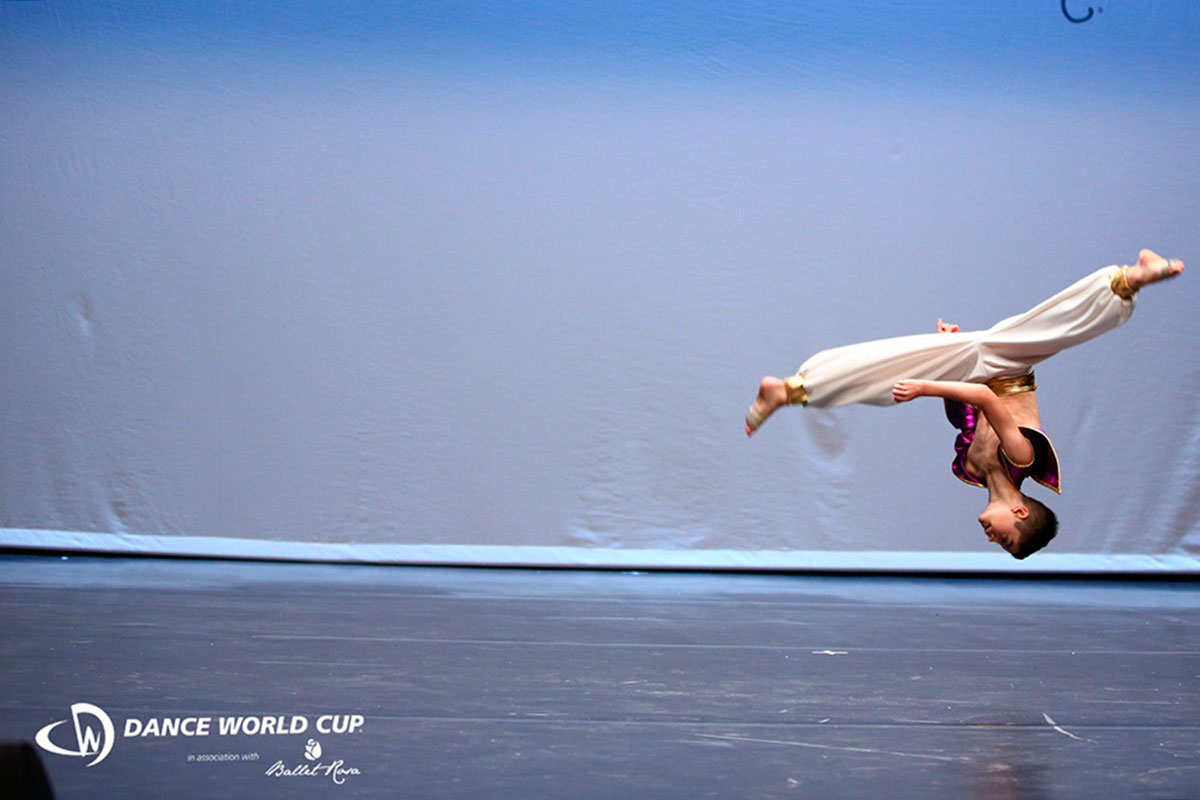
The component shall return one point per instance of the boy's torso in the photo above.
(984, 452)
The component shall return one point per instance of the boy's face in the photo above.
(999, 522)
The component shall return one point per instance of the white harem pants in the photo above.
(865, 372)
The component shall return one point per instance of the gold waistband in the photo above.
(1006, 386)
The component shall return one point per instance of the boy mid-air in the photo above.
(986, 379)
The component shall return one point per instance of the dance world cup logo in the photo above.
(88, 741)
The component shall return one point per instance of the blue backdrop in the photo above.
(495, 282)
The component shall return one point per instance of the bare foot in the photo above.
(772, 393)
(1152, 268)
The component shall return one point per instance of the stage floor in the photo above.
(432, 683)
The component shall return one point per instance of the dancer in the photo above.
(987, 382)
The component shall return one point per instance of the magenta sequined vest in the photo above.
(1044, 468)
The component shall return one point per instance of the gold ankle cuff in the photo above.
(796, 393)
(1120, 284)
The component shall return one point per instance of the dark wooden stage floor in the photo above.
(453, 683)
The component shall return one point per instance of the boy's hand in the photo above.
(947, 327)
(903, 391)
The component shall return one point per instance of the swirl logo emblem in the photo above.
(88, 741)
(1091, 12)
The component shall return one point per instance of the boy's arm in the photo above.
(1016, 446)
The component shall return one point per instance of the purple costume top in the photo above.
(1043, 468)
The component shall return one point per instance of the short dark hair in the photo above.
(1036, 530)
